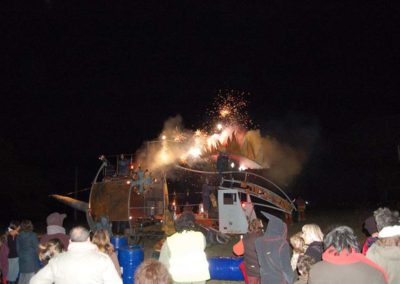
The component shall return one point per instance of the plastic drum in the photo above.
(119, 241)
(225, 268)
(130, 257)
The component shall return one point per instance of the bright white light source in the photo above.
(232, 165)
(195, 152)
(163, 137)
(128, 182)
(242, 168)
(219, 126)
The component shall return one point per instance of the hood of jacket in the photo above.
(276, 229)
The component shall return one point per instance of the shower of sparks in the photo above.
(230, 106)
(228, 123)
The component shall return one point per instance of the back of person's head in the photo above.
(370, 225)
(79, 234)
(304, 264)
(50, 249)
(342, 238)
(312, 233)
(152, 271)
(185, 222)
(384, 217)
(14, 225)
(26, 226)
(255, 226)
(297, 242)
(3, 239)
(101, 239)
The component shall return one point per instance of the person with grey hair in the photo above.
(386, 250)
(342, 263)
(385, 217)
(81, 264)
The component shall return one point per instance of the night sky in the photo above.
(82, 79)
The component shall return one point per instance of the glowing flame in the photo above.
(195, 152)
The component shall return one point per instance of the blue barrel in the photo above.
(225, 268)
(119, 241)
(130, 257)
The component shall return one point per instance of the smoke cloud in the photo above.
(283, 161)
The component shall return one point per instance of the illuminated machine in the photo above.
(233, 156)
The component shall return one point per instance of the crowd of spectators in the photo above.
(270, 256)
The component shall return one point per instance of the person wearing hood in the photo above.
(27, 249)
(55, 229)
(273, 253)
(342, 263)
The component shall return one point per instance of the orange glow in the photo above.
(224, 112)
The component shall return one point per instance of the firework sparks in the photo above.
(230, 106)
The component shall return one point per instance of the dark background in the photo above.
(85, 78)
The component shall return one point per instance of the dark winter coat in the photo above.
(315, 250)
(346, 268)
(27, 249)
(273, 253)
(250, 254)
(12, 246)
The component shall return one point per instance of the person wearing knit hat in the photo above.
(386, 252)
(55, 229)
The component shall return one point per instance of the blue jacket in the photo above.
(27, 248)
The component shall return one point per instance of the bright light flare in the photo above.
(163, 137)
(219, 126)
(242, 168)
(232, 165)
(195, 152)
